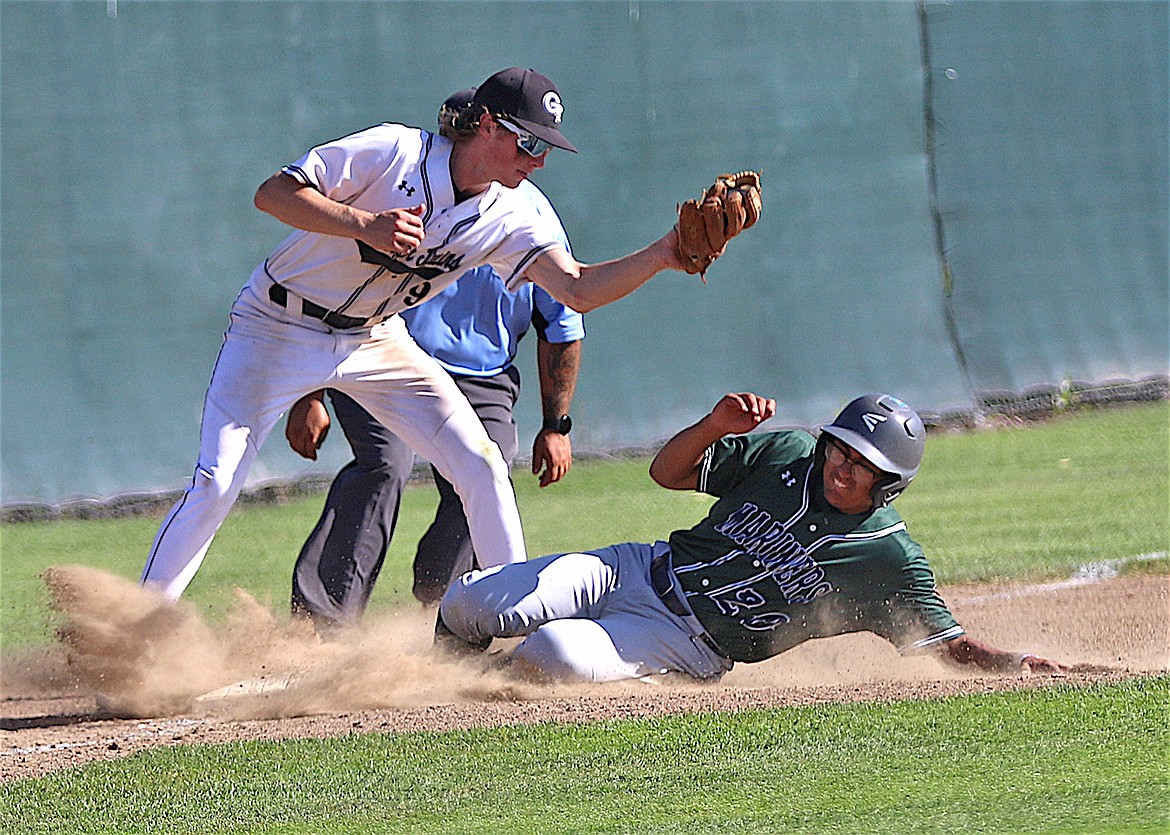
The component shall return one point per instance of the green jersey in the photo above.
(774, 564)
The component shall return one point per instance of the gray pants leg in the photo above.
(591, 616)
(445, 550)
(340, 561)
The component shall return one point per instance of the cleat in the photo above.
(453, 645)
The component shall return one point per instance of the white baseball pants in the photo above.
(590, 616)
(271, 357)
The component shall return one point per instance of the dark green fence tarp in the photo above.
(133, 134)
(1052, 179)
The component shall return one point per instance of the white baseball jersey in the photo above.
(275, 351)
(394, 166)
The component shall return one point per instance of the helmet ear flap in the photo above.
(882, 494)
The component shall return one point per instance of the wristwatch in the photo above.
(561, 425)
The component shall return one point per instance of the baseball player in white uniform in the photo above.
(383, 219)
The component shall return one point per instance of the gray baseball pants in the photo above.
(340, 561)
(592, 616)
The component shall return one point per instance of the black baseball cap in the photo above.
(527, 98)
(459, 100)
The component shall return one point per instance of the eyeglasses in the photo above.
(837, 454)
(529, 143)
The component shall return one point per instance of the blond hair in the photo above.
(462, 123)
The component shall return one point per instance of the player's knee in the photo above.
(546, 652)
(482, 462)
(467, 610)
(215, 484)
(493, 464)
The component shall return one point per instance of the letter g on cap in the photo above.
(552, 103)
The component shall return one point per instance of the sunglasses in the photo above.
(529, 143)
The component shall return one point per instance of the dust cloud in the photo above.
(146, 657)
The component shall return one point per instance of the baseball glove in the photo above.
(729, 206)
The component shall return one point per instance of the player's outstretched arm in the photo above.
(676, 467)
(728, 207)
(967, 650)
(586, 287)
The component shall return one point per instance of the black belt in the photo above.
(668, 591)
(279, 295)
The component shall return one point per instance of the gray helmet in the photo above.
(888, 434)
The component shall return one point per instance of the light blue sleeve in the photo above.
(473, 326)
(554, 322)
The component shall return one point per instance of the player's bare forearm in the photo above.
(304, 207)
(966, 650)
(586, 287)
(291, 201)
(676, 466)
(558, 364)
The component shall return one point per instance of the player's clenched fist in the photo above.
(305, 207)
(742, 412)
(396, 230)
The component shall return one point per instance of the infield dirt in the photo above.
(123, 654)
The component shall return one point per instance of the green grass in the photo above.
(1026, 503)
(1058, 760)
(1029, 503)
(1036, 502)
